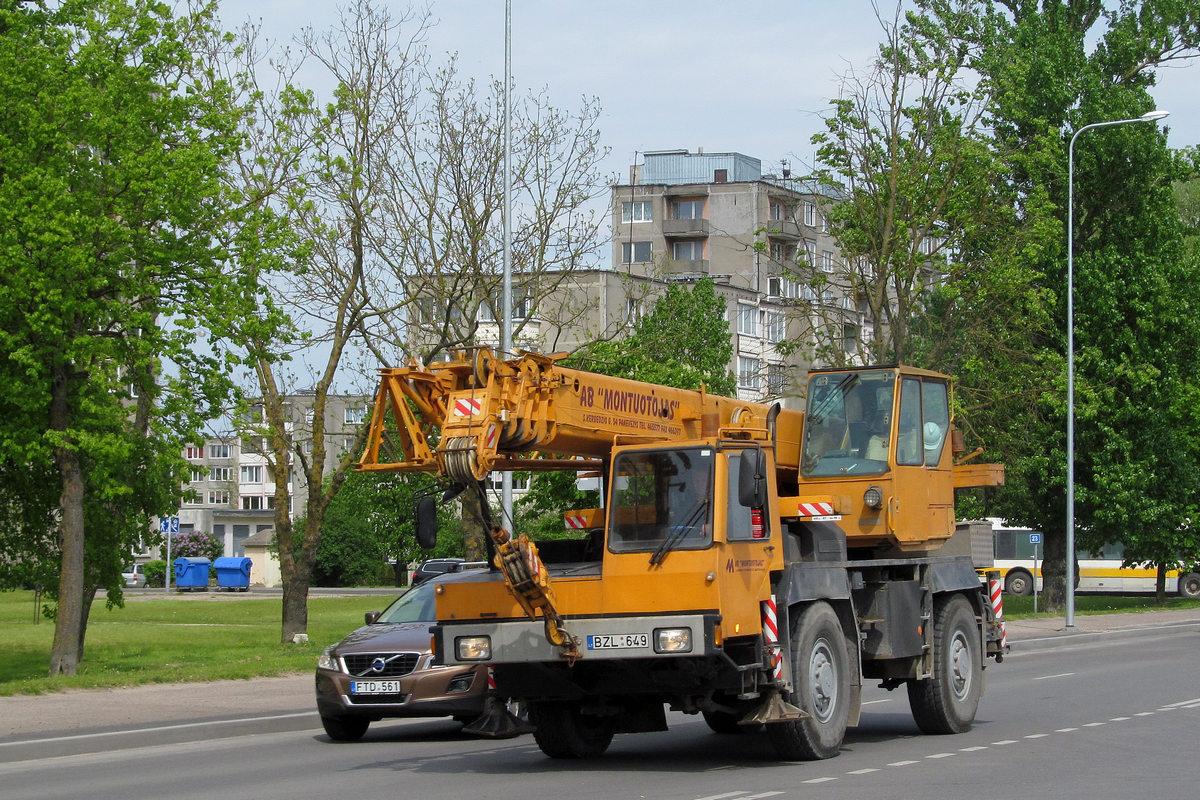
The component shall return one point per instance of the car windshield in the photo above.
(415, 605)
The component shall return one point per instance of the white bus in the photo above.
(1098, 572)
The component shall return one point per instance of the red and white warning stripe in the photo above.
(575, 522)
(491, 678)
(995, 587)
(771, 633)
(815, 509)
(467, 406)
(491, 437)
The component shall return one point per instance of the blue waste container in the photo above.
(192, 573)
(233, 572)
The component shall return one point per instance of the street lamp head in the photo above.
(1151, 116)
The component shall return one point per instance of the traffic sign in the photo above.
(168, 525)
(174, 524)
(1035, 538)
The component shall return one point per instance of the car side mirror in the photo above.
(752, 479)
(427, 523)
(371, 617)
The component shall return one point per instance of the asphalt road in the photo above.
(1090, 717)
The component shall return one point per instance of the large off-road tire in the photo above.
(563, 731)
(946, 702)
(1018, 582)
(820, 687)
(1189, 585)
(345, 729)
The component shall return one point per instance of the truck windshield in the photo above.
(847, 426)
(661, 501)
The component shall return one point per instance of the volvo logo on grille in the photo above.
(379, 664)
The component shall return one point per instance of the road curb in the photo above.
(1066, 638)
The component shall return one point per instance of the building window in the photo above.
(808, 293)
(218, 451)
(637, 211)
(779, 286)
(635, 252)
(688, 250)
(850, 338)
(827, 297)
(218, 498)
(810, 253)
(782, 251)
(633, 310)
(354, 416)
(749, 373)
(776, 327)
(776, 380)
(252, 474)
(810, 215)
(197, 475)
(520, 481)
(824, 223)
(193, 452)
(777, 211)
(219, 473)
(687, 209)
(487, 313)
(827, 261)
(747, 320)
(252, 503)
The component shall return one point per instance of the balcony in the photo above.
(679, 266)
(685, 227)
(782, 229)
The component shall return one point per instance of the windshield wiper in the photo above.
(678, 532)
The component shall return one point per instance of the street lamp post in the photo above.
(1149, 116)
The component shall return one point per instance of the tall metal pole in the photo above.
(1149, 116)
(506, 344)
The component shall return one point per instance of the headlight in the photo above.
(327, 660)
(673, 640)
(473, 648)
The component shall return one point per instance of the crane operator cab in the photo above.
(885, 430)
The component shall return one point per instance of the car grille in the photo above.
(360, 665)
(378, 699)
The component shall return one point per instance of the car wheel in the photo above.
(1018, 582)
(345, 729)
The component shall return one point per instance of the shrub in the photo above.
(196, 544)
(155, 570)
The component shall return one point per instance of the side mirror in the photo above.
(752, 479)
(427, 523)
(371, 617)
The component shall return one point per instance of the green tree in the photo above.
(1052, 68)
(118, 290)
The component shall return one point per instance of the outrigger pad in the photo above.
(773, 708)
(497, 722)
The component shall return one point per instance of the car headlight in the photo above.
(673, 640)
(327, 660)
(473, 648)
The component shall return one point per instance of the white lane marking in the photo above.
(180, 726)
(902, 763)
(1003, 742)
(722, 796)
(1093, 724)
(1144, 714)
(759, 796)
(1183, 703)
(820, 780)
(1059, 675)
(1066, 730)
(1118, 719)
(1037, 736)
(940, 755)
(871, 702)
(863, 771)
(972, 749)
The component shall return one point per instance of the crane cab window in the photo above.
(847, 425)
(923, 423)
(661, 500)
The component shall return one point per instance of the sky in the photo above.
(724, 75)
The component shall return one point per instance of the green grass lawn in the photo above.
(209, 636)
(195, 637)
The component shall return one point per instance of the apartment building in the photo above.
(232, 485)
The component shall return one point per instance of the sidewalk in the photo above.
(78, 710)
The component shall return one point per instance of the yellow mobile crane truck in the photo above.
(750, 563)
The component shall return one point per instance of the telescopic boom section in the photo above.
(529, 413)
